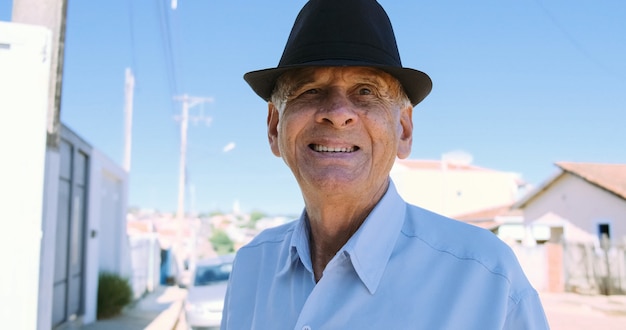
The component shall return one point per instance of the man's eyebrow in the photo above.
(300, 81)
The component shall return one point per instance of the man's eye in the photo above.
(311, 91)
(365, 91)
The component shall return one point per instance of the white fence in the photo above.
(533, 261)
(596, 269)
(145, 255)
(580, 267)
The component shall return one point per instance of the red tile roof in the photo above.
(418, 164)
(138, 226)
(611, 177)
(485, 218)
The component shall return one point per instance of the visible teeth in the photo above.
(321, 148)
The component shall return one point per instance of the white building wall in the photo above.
(48, 241)
(581, 206)
(107, 242)
(453, 192)
(24, 73)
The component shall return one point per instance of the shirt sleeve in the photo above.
(527, 314)
(224, 323)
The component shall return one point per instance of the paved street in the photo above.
(568, 311)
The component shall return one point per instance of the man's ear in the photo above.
(272, 128)
(406, 135)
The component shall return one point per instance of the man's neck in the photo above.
(327, 237)
(332, 224)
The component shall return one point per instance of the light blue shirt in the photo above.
(404, 268)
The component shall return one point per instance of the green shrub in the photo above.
(222, 244)
(114, 292)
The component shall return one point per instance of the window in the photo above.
(604, 229)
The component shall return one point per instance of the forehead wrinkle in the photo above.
(307, 76)
(376, 77)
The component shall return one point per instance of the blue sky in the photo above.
(517, 84)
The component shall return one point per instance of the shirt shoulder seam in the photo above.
(460, 257)
(521, 296)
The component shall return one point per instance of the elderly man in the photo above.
(339, 113)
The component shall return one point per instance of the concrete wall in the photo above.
(580, 206)
(24, 82)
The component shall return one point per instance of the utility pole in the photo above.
(188, 103)
(128, 114)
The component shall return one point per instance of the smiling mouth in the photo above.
(321, 148)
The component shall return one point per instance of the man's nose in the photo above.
(337, 110)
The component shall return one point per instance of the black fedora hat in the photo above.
(342, 33)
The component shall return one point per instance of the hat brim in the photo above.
(417, 85)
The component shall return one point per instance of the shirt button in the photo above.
(306, 327)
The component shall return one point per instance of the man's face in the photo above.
(340, 128)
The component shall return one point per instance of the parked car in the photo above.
(205, 294)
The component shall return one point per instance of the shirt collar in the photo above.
(372, 244)
(299, 245)
(369, 248)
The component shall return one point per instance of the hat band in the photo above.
(339, 54)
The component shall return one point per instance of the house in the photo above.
(584, 205)
(580, 203)
(453, 188)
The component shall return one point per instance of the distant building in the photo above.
(454, 188)
(506, 222)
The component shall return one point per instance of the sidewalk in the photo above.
(158, 310)
(571, 311)
(610, 305)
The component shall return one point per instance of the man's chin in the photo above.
(333, 184)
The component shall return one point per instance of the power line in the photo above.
(575, 43)
(168, 50)
(131, 23)
(174, 39)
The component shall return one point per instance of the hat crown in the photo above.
(341, 30)
(339, 33)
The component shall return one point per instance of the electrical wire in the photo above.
(168, 51)
(133, 50)
(575, 43)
